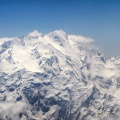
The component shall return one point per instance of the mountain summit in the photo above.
(57, 77)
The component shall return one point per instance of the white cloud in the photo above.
(12, 110)
(82, 39)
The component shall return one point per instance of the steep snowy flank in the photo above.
(57, 77)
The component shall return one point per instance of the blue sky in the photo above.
(98, 19)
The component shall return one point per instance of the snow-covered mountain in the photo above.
(57, 77)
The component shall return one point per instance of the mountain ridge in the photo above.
(57, 77)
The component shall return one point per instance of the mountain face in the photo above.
(57, 77)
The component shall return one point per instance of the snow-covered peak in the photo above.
(58, 34)
(57, 37)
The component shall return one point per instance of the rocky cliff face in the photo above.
(57, 77)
